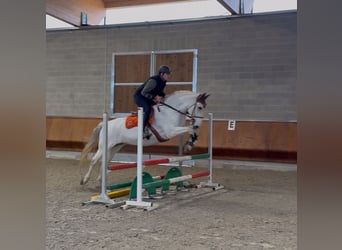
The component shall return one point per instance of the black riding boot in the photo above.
(147, 133)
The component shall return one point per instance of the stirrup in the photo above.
(147, 133)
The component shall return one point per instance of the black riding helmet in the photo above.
(164, 69)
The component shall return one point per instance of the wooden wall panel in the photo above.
(265, 141)
(135, 69)
(279, 136)
(181, 65)
(69, 133)
(124, 100)
(132, 68)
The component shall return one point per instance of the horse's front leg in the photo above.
(193, 137)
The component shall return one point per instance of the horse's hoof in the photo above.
(187, 148)
(82, 182)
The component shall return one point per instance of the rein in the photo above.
(185, 114)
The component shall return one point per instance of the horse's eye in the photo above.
(200, 108)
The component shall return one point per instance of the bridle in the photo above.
(193, 136)
(201, 99)
(192, 116)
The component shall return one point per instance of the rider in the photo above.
(150, 93)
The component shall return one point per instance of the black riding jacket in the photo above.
(152, 87)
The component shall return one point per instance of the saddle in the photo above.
(132, 119)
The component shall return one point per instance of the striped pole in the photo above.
(176, 179)
(159, 161)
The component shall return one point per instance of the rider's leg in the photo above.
(147, 112)
(142, 102)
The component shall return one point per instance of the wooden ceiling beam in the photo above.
(126, 3)
(70, 10)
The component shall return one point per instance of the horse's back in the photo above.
(116, 123)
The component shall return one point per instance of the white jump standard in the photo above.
(103, 197)
(139, 202)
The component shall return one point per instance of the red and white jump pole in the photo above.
(176, 179)
(159, 161)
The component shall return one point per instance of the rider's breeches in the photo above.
(145, 104)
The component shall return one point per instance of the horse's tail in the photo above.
(91, 144)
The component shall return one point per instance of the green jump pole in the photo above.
(176, 179)
(129, 183)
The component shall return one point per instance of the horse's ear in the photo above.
(202, 97)
(199, 98)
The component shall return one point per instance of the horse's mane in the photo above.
(183, 92)
(178, 93)
(181, 95)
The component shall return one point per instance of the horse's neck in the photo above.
(181, 101)
(166, 117)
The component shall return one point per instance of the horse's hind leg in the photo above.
(111, 153)
(93, 162)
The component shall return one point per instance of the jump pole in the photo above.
(139, 202)
(129, 183)
(159, 161)
(176, 179)
(122, 189)
(116, 193)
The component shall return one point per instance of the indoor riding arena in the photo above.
(237, 187)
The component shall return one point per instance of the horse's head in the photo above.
(196, 111)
